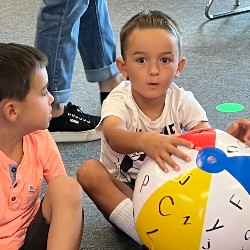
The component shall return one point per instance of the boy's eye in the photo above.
(165, 60)
(45, 93)
(141, 60)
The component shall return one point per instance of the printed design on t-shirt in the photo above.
(128, 162)
(168, 130)
(131, 163)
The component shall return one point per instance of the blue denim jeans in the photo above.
(63, 26)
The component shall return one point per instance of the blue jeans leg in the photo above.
(98, 48)
(59, 27)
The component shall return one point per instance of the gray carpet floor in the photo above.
(217, 71)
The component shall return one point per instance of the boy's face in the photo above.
(36, 109)
(151, 63)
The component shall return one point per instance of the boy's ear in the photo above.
(10, 110)
(181, 66)
(121, 66)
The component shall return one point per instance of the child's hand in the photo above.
(241, 130)
(161, 147)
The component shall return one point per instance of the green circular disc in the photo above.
(229, 107)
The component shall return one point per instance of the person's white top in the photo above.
(181, 112)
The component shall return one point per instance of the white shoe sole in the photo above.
(81, 136)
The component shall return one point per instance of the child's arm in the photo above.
(157, 146)
(202, 124)
(49, 155)
(241, 130)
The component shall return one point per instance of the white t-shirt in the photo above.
(181, 112)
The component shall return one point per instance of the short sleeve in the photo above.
(116, 104)
(49, 155)
(190, 111)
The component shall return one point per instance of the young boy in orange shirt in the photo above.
(27, 154)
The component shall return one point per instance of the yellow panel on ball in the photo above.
(173, 225)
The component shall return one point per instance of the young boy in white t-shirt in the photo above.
(140, 117)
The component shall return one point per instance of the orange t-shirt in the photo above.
(19, 194)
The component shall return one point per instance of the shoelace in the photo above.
(76, 112)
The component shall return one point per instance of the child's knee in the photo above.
(89, 172)
(68, 186)
(64, 193)
(87, 169)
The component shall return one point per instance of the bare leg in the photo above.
(62, 209)
(57, 109)
(105, 86)
(106, 191)
(109, 84)
(112, 197)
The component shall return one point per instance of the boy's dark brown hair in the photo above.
(149, 20)
(17, 63)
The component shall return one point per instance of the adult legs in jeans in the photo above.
(63, 26)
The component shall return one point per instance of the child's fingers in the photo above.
(246, 137)
(161, 163)
(181, 155)
(233, 129)
(165, 155)
(182, 142)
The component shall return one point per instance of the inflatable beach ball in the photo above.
(205, 205)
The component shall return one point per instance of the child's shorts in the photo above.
(37, 233)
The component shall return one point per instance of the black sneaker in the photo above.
(74, 125)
